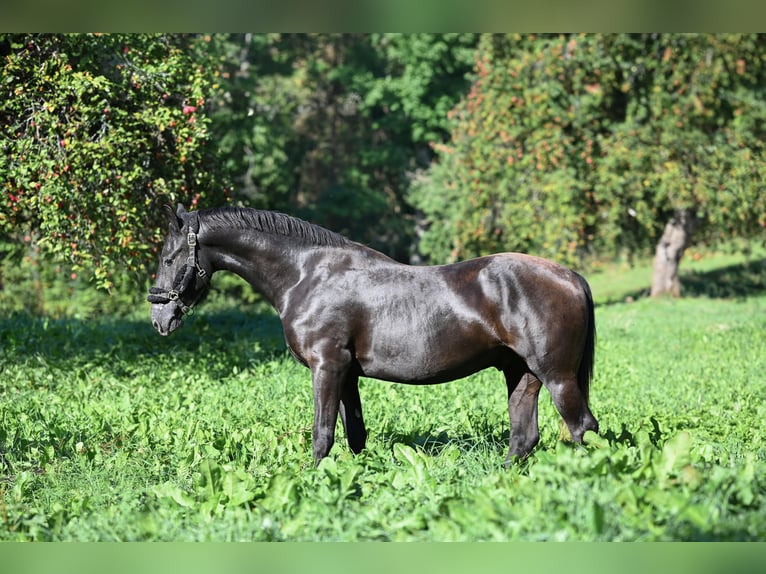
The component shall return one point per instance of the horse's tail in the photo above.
(585, 372)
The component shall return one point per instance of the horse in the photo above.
(349, 311)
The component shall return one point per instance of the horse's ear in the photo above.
(175, 219)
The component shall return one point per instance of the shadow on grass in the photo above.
(489, 442)
(737, 281)
(732, 282)
(220, 339)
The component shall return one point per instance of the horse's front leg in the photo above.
(522, 409)
(351, 414)
(328, 375)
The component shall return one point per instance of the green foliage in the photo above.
(34, 286)
(510, 177)
(108, 432)
(572, 143)
(691, 139)
(97, 131)
(329, 126)
(252, 108)
(420, 78)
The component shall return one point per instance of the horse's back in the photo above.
(516, 283)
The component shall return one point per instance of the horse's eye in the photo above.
(168, 262)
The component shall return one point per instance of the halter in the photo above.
(185, 274)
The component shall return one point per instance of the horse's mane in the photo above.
(272, 222)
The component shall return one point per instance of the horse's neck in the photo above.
(259, 258)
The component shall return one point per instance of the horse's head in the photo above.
(183, 277)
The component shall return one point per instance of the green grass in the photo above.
(110, 432)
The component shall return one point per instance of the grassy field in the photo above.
(110, 432)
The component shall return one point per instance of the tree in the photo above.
(96, 132)
(252, 111)
(572, 143)
(331, 127)
(514, 175)
(687, 162)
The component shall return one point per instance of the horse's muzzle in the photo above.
(166, 318)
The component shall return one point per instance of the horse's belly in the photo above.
(419, 362)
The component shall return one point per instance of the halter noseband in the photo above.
(185, 274)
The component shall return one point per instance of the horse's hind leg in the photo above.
(523, 390)
(351, 414)
(571, 405)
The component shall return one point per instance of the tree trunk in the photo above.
(674, 241)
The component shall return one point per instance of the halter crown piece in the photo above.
(185, 274)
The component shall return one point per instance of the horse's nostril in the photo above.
(156, 325)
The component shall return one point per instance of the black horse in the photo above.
(350, 311)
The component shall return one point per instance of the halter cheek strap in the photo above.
(185, 274)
